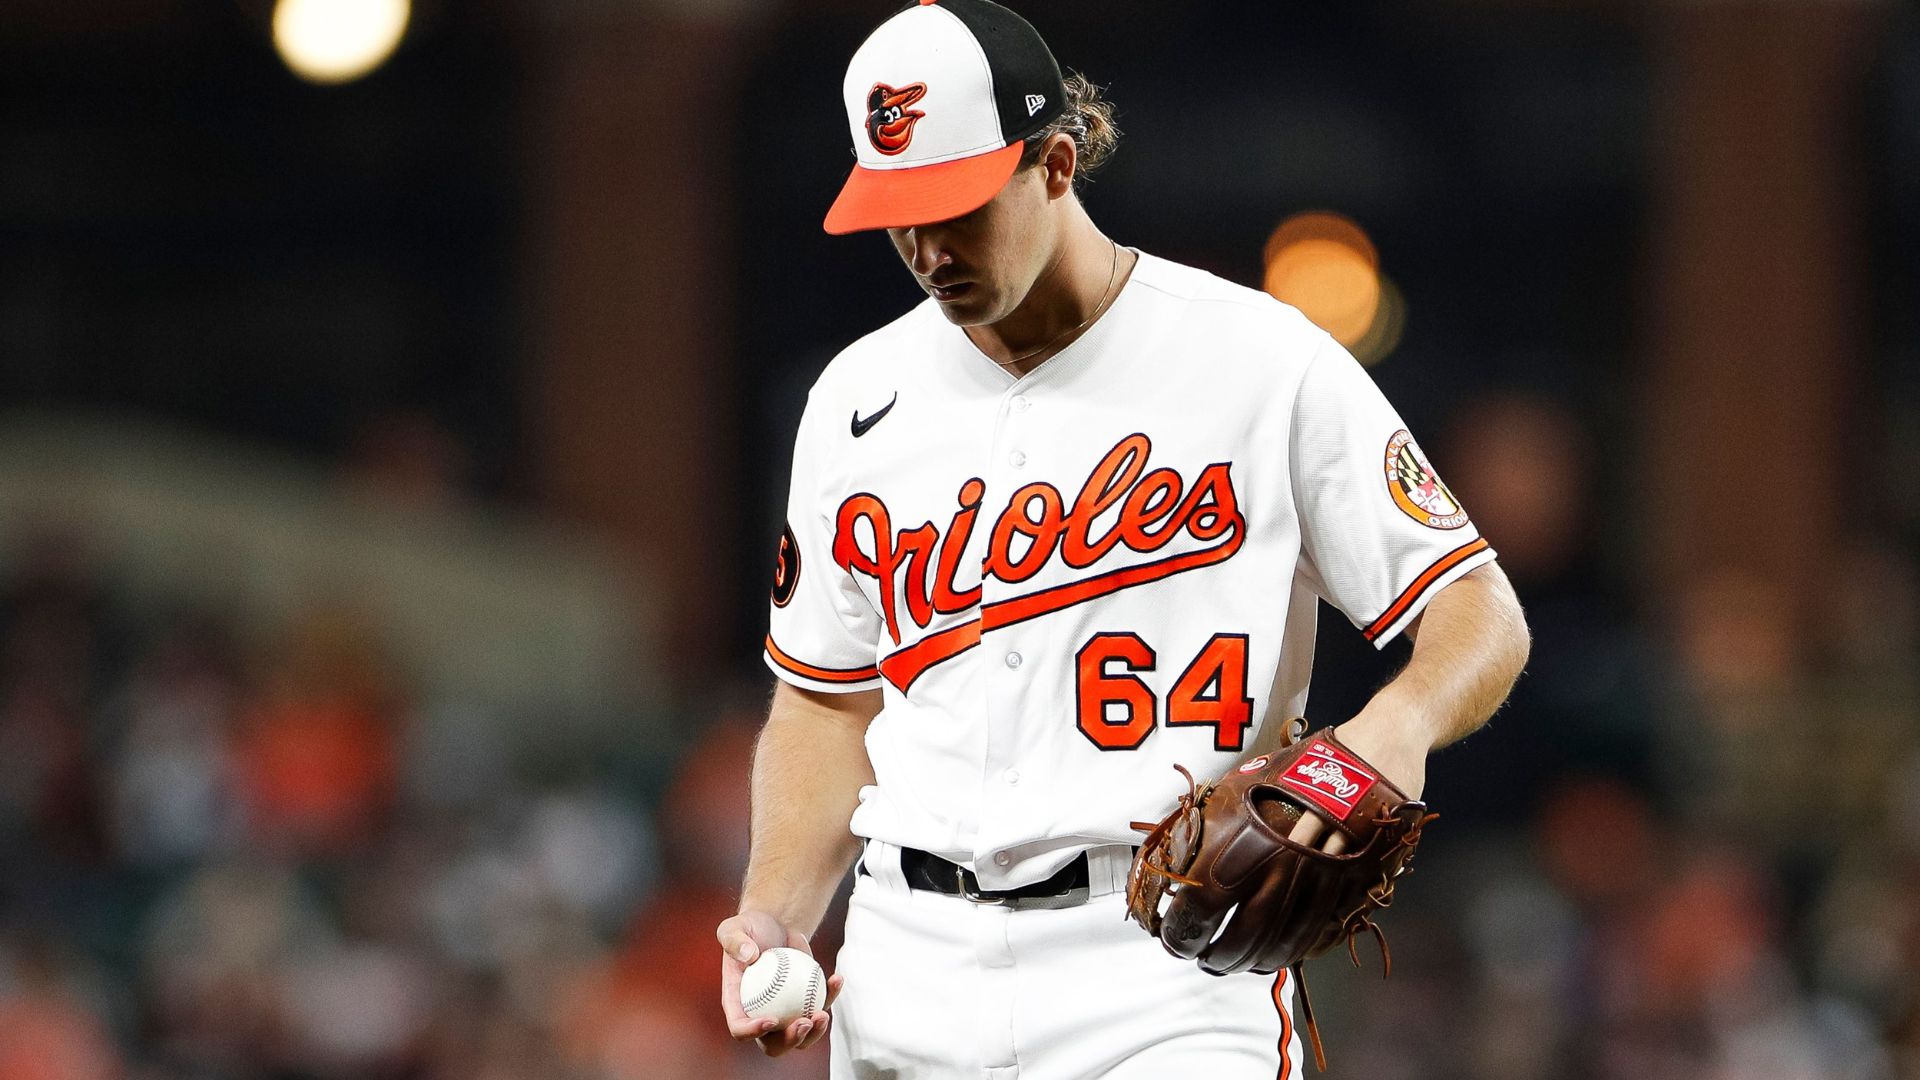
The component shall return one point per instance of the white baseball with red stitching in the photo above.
(784, 985)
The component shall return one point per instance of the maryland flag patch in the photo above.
(1416, 488)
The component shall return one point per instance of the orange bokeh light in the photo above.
(1324, 264)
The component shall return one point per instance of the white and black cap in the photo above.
(938, 99)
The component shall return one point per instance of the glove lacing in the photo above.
(1395, 865)
(1153, 847)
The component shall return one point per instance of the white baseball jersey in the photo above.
(1066, 582)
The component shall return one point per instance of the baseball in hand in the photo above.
(784, 985)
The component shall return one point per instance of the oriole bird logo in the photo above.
(889, 120)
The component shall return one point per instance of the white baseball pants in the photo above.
(941, 987)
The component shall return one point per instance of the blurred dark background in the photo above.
(390, 467)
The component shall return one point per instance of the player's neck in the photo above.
(1063, 302)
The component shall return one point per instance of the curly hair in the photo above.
(1088, 117)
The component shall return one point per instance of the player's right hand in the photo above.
(742, 939)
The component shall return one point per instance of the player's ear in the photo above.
(1059, 157)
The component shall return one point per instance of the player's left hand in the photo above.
(1217, 883)
(1398, 750)
(1389, 746)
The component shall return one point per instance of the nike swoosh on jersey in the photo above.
(862, 426)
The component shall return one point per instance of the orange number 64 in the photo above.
(1117, 708)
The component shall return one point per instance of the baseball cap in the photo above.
(938, 99)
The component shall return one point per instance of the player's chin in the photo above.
(973, 307)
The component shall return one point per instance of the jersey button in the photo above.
(1011, 776)
(1001, 858)
(1013, 659)
(1016, 459)
(1020, 403)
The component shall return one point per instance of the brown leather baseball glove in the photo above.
(1219, 881)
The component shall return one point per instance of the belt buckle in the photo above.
(972, 893)
(1073, 897)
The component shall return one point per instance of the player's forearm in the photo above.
(1470, 645)
(808, 768)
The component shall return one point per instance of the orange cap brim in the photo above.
(901, 198)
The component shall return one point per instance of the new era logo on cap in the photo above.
(938, 100)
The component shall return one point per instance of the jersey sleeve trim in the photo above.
(1409, 600)
(841, 677)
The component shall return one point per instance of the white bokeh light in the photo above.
(335, 41)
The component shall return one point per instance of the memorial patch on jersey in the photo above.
(1416, 488)
(889, 120)
(786, 568)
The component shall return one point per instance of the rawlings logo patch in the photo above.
(1329, 778)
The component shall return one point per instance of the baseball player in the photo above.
(1060, 527)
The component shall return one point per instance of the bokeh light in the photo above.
(1324, 264)
(336, 41)
(1389, 320)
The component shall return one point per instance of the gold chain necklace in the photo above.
(1112, 272)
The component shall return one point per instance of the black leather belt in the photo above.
(922, 870)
